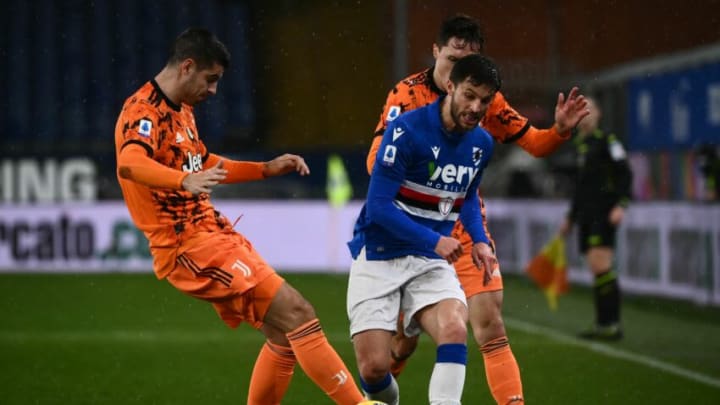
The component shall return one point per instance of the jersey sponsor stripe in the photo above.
(426, 213)
(407, 194)
(425, 206)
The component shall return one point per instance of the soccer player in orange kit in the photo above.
(166, 174)
(459, 36)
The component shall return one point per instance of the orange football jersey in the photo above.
(168, 134)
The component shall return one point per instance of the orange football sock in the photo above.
(322, 364)
(502, 372)
(271, 375)
(397, 365)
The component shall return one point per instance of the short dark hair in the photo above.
(479, 69)
(461, 26)
(200, 45)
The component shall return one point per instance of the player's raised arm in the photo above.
(238, 171)
(507, 125)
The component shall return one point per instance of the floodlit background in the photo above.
(310, 77)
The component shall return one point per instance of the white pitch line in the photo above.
(612, 352)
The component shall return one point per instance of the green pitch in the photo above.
(130, 339)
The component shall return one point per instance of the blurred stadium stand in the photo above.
(310, 77)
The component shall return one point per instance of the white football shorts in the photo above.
(378, 290)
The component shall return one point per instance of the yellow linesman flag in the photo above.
(338, 188)
(549, 270)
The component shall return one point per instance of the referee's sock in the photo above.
(607, 299)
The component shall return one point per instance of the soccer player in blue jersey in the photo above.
(426, 176)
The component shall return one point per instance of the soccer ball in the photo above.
(371, 402)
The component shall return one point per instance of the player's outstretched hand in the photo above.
(484, 259)
(285, 164)
(569, 112)
(202, 182)
(449, 248)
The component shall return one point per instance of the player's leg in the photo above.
(435, 303)
(371, 351)
(223, 268)
(501, 368)
(445, 322)
(273, 370)
(402, 347)
(485, 314)
(290, 313)
(597, 242)
(373, 304)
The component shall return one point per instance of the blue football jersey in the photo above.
(425, 178)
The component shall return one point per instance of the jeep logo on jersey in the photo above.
(445, 205)
(450, 174)
(193, 163)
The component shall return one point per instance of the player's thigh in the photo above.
(373, 293)
(445, 321)
(472, 278)
(435, 282)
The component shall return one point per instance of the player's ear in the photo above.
(450, 86)
(436, 51)
(186, 66)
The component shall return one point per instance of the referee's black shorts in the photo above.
(596, 232)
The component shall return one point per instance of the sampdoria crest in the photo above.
(445, 205)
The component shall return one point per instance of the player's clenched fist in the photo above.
(202, 182)
(449, 248)
(285, 164)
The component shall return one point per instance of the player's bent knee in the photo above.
(373, 370)
(494, 321)
(455, 332)
(301, 310)
(289, 309)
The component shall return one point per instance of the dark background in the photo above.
(311, 76)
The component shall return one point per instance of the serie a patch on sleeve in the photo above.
(145, 127)
(393, 113)
(389, 155)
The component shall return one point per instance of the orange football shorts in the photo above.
(224, 269)
(471, 277)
